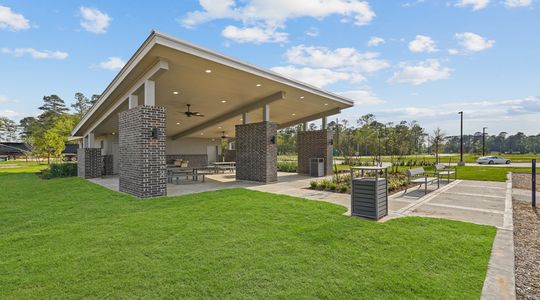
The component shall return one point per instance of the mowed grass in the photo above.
(68, 238)
(488, 173)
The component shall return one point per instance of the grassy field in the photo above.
(68, 238)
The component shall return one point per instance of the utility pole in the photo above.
(484, 141)
(461, 162)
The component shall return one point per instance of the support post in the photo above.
(266, 113)
(324, 123)
(142, 158)
(150, 93)
(91, 139)
(245, 118)
(461, 162)
(533, 183)
(304, 126)
(256, 152)
(133, 101)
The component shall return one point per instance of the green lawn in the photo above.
(488, 173)
(68, 238)
(444, 158)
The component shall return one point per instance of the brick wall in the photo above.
(195, 160)
(89, 162)
(256, 156)
(230, 155)
(142, 169)
(108, 167)
(314, 144)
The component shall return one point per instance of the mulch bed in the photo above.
(527, 250)
(523, 181)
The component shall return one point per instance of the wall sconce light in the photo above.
(154, 134)
(331, 142)
(273, 139)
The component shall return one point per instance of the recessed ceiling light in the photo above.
(177, 123)
(202, 133)
(113, 133)
(223, 101)
(294, 114)
(240, 119)
(258, 84)
(176, 93)
(219, 127)
(301, 97)
(326, 104)
(213, 140)
(208, 71)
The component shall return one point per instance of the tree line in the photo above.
(369, 137)
(47, 134)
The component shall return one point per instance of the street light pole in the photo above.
(461, 162)
(484, 141)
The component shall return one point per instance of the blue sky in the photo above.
(401, 60)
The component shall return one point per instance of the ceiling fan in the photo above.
(223, 135)
(190, 113)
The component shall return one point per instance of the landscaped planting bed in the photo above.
(341, 183)
(69, 238)
(527, 250)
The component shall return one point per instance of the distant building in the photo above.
(14, 150)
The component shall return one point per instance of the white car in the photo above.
(490, 160)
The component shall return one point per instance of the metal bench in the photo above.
(418, 175)
(442, 170)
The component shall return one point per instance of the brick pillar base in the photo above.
(315, 144)
(256, 154)
(89, 163)
(108, 164)
(142, 169)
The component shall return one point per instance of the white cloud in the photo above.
(93, 20)
(453, 51)
(423, 43)
(112, 63)
(11, 20)
(5, 99)
(476, 4)
(517, 3)
(341, 58)
(272, 15)
(362, 97)
(318, 77)
(428, 70)
(375, 41)
(37, 54)
(313, 32)
(278, 11)
(473, 42)
(9, 113)
(256, 35)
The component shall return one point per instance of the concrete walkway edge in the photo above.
(500, 279)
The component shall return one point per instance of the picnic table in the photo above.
(224, 166)
(177, 172)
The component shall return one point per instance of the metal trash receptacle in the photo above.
(316, 167)
(369, 195)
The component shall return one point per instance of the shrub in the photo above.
(60, 170)
(287, 166)
(313, 184)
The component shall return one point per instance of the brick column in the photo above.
(142, 169)
(89, 163)
(256, 155)
(108, 164)
(315, 144)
